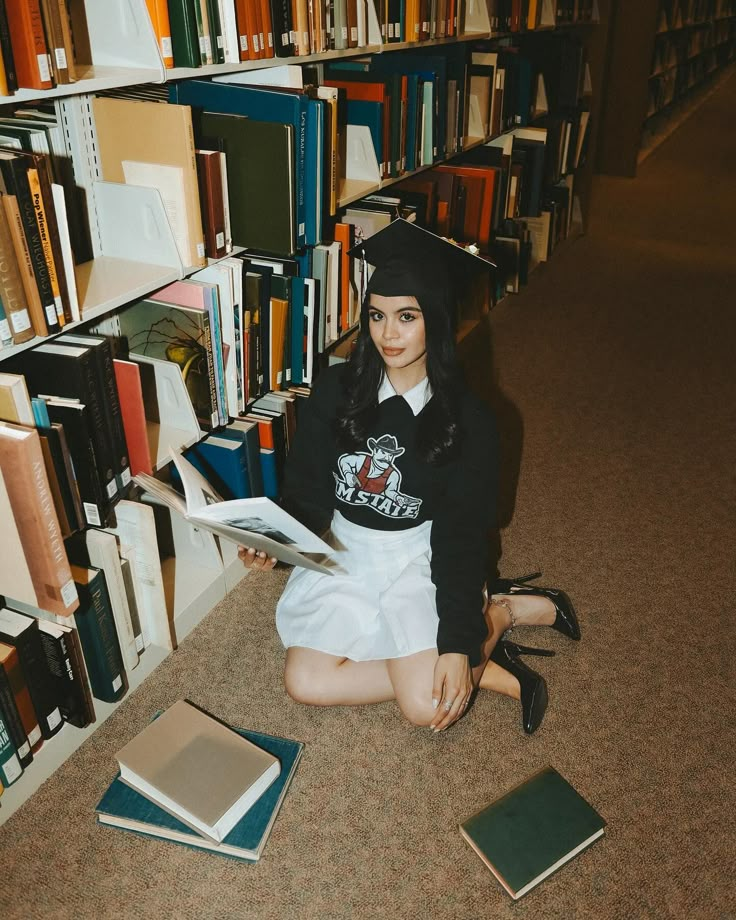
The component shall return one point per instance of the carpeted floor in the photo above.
(617, 366)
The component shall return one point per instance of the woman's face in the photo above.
(396, 326)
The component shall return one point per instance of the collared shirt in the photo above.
(417, 397)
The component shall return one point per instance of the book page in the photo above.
(261, 516)
(197, 491)
(161, 491)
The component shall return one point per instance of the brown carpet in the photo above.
(617, 365)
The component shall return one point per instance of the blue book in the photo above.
(315, 170)
(247, 432)
(261, 104)
(40, 412)
(413, 111)
(297, 331)
(269, 472)
(123, 807)
(428, 66)
(223, 463)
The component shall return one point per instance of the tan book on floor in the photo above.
(197, 769)
(152, 144)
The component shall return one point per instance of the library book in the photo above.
(254, 522)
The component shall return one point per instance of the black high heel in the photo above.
(534, 695)
(566, 620)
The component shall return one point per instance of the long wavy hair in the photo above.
(439, 433)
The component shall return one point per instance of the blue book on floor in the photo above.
(123, 807)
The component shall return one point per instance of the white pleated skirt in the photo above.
(379, 604)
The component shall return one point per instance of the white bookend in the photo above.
(361, 162)
(174, 423)
(476, 17)
(193, 576)
(102, 548)
(136, 528)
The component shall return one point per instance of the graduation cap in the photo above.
(410, 260)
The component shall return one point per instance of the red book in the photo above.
(30, 51)
(211, 202)
(130, 394)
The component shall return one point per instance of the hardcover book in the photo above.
(146, 143)
(23, 634)
(198, 769)
(532, 830)
(24, 473)
(123, 807)
(9, 709)
(98, 637)
(256, 522)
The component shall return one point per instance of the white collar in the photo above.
(417, 397)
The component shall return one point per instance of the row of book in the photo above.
(37, 285)
(39, 43)
(257, 166)
(195, 33)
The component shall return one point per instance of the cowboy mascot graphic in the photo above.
(371, 479)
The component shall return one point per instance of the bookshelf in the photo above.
(127, 266)
(663, 56)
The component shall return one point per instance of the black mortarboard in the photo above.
(406, 256)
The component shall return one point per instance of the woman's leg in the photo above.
(320, 679)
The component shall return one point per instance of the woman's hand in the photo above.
(451, 689)
(253, 559)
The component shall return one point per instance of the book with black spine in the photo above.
(98, 636)
(15, 181)
(69, 371)
(103, 358)
(64, 667)
(22, 632)
(11, 715)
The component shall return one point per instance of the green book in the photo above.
(260, 178)
(533, 830)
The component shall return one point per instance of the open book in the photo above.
(256, 522)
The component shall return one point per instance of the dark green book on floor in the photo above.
(533, 830)
(123, 807)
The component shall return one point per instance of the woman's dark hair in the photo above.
(438, 434)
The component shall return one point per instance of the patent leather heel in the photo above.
(566, 620)
(534, 694)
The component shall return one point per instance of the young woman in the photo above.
(397, 462)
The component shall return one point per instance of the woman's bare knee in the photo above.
(417, 710)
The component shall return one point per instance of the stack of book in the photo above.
(190, 779)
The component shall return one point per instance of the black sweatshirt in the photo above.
(385, 486)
